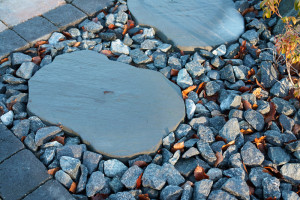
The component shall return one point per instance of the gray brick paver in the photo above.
(91, 7)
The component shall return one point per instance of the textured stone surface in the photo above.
(90, 7)
(9, 144)
(105, 94)
(190, 24)
(17, 173)
(24, 10)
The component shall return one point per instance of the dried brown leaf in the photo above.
(139, 181)
(251, 72)
(219, 138)
(37, 60)
(245, 132)
(174, 72)
(244, 89)
(200, 87)
(270, 116)
(73, 187)
(246, 104)
(224, 147)
(140, 163)
(219, 158)
(200, 174)
(144, 197)
(60, 139)
(53, 171)
(99, 196)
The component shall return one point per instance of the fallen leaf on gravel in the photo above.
(200, 174)
(23, 138)
(245, 132)
(36, 60)
(271, 198)
(140, 163)
(219, 158)
(178, 146)
(99, 196)
(144, 197)
(125, 29)
(224, 147)
(39, 43)
(251, 72)
(174, 72)
(60, 139)
(67, 34)
(257, 93)
(111, 26)
(108, 53)
(10, 105)
(296, 129)
(244, 89)
(53, 171)
(251, 9)
(260, 85)
(246, 104)
(200, 87)
(195, 136)
(273, 172)
(77, 44)
(130, 24)
(139, 181)
(181, 53)
(138, 32)
(254, 106)
(73, 187)
(3, 60)
(245, 168)
(270, 116)
(95, 19)
(261, 143)
(219, 138)
(187, 91)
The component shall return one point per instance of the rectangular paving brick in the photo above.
(9, 143)
(51, 190)
(13, 12)
(10, 41)
(64, 16)
(21, 174)
(3, 27)
(35, 29)
(91, 7)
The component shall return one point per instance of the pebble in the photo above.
(114, 167)
(278, 155)
(232, 50)
(21, 129)
(283, 106)
(74, 151)
(171, 192)
(251, 36)
(230, 130)
(195, 69)
(82, 179)
(91, 160)
(206, 152)
(268, 74)
(220, 51)
(251, 155)
(153, 177)
(291, 172)
(171, 174)
(230, 102)
(122, 195)
(27, 70)
(215, 174)
(226, 73)
(70, 166)
(118, 47)
(139, 57)
(10, 79)
(220, 194)
(190, 108)
(183, 79)
(130, 176)
(95, 183)
(256, 176)
(202, 188)
(45, 134)
(271, 187)
(211, 88)
(205, 134)
(93, 27)
(30, 143)
(255, 119)
(237, 187)
(63, 178)
(48, 156)
(116, 185)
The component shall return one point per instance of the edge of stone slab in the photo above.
(70, 132)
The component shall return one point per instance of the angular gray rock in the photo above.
(171, 174)
(220, 194)
(70, 166)
(271, 187)
(130, 176)
(230, 130)
(268, 74)
(114, 168)
(27, 70)
(237, 187)
(278, 155)
(171, 192)
(43, 135)
(256, 176)
(291, 172)
(230, 102)
(202, 188)
(183, 79)
(202, 31)
(82, 179)
(95, 88)
(251, 155)
(91, 160)
(255, 119)
(153, 177)
(18, 58)
(63, 178)
(95, 184)
(206, 152)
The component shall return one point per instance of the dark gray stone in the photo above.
(10, 79)
(186, 166)
(286, 122)
(171, 192)
(10, 41)
(256, 176)
(206, 152)
(51, 190)
(35, 123)
(211, 88)
(91, 7)
(251, 36)
(65, 16)
(96, 183)
(230, 102)
(195, 69)
(227, 74)
(82, 179)
(145, 158)
(184, 80)
(255, 119)
(183, 130)
(172, 176)
(48, 156)
(114, 167)
(153, 177)
(48, 108)
(74, 151)
(278, 155)
(22, 128)
(202, 188)
(293, 146)
(290, 195)
(153, 13)
(237, 187)
(91, 160)
(9, 144)
(251, 155)
(30, 143)
(130, 176)
(18, 58)
(45, 134)
(271, 187)
(214, 174)
(122, 195)
(273, 137)
(220, 194)
(283, 106)
(187, 192)
(268, 74)
(70, 166)
(232, 50)
(291, 172)
(35, 29)
(235, 173)
(17, 173)
(116, 185)
(230, 130)
(205, 134)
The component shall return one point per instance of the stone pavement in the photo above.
(35, 20)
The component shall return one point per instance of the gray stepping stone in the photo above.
(102, 101)
(190, 24)
(51, 190)
(21, 174)
(64, 16)
(90, 7)
(35, 29)
(9, 144)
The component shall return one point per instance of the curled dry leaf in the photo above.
(139, 181)
(251, 72)
(270, 116)
(200, 174)
(67, 34)
(260, 85)
(108, 53)
(138, 32)
(53, 171)
(73, 187)
(257, 93)
(39, 43)
(178, 146)
(219, 138)
(140, 163)
(99, 196)
(245, 132)
(251, 9)
(174, 72)
(200, 87)
(181, 53)
(130, 24)
(219, 158)
(144, 197)
(274, 172)
(77, 44)
(111, 26)
(244, 89)
(224, 147)
(245, 168)
(60, 139)
(246, 104)
(23, 138)
(3, 60)
(37, 60)
(125, 29)
(261, 144)
(187, 91)
(271, 198)
(254, 106)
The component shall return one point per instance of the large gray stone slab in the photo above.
(35, 29)
(91, 7)
(10, 41)
(118, 110)
(14, 12)
(190, 24)
(64, 16)
(51, 190)
(9, 143)
(2, 27)
(21, 174)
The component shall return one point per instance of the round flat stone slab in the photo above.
(118, 110)
(190, 24)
